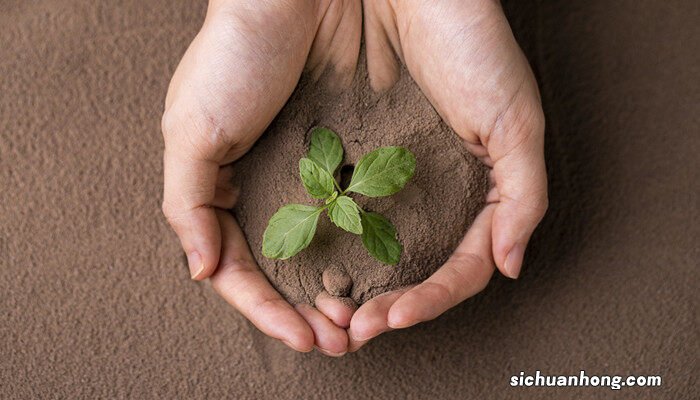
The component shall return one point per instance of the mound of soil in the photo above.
(431, 213)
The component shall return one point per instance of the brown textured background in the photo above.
(95, 299)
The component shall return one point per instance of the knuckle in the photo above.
(536, 211)
(167, 123)
(533, 115)
(441, 292)
(170, 213)
(233, 273)
(521, 122)
(467, 270)
(540, 206)
(198, 131)
(165, 208)
(238, 265)
(267, 306)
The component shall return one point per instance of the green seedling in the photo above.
(381, 172)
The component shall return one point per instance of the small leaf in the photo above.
(379, 238)
(345, 214)
(290, 230)
(383, 172)
(326, 149)
(316, 180)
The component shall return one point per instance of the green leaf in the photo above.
(345, 214)
(290, 230)
(326, 149)
(316, 180)
(382, 172)
(379, 238)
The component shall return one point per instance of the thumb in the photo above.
(189, 188)
(231, 82)
(517, 149)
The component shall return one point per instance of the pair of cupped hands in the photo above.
(240, 70)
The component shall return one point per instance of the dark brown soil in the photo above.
(431, 213)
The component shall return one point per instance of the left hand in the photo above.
(235, 76)
(465, 59)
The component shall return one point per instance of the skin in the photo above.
(240, 70)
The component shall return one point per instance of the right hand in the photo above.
(463, 56)
(234, 78)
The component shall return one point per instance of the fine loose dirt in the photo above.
(431, 213)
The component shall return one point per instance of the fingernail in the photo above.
(329, 353)
(514, 261)
(392, 321)
(399, 324)
(355, 338)
(194, 261)
(400, 320)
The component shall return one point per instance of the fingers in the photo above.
(328, 338)
(519, 171)
(337, 309)
(336, 46)
(382, 42)
(240, 281)
(370, 319)
(466, 273)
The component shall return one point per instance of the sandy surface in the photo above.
(95, 299)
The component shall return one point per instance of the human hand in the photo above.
(465, 59)
(234, 78)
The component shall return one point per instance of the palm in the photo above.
(466, 61)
